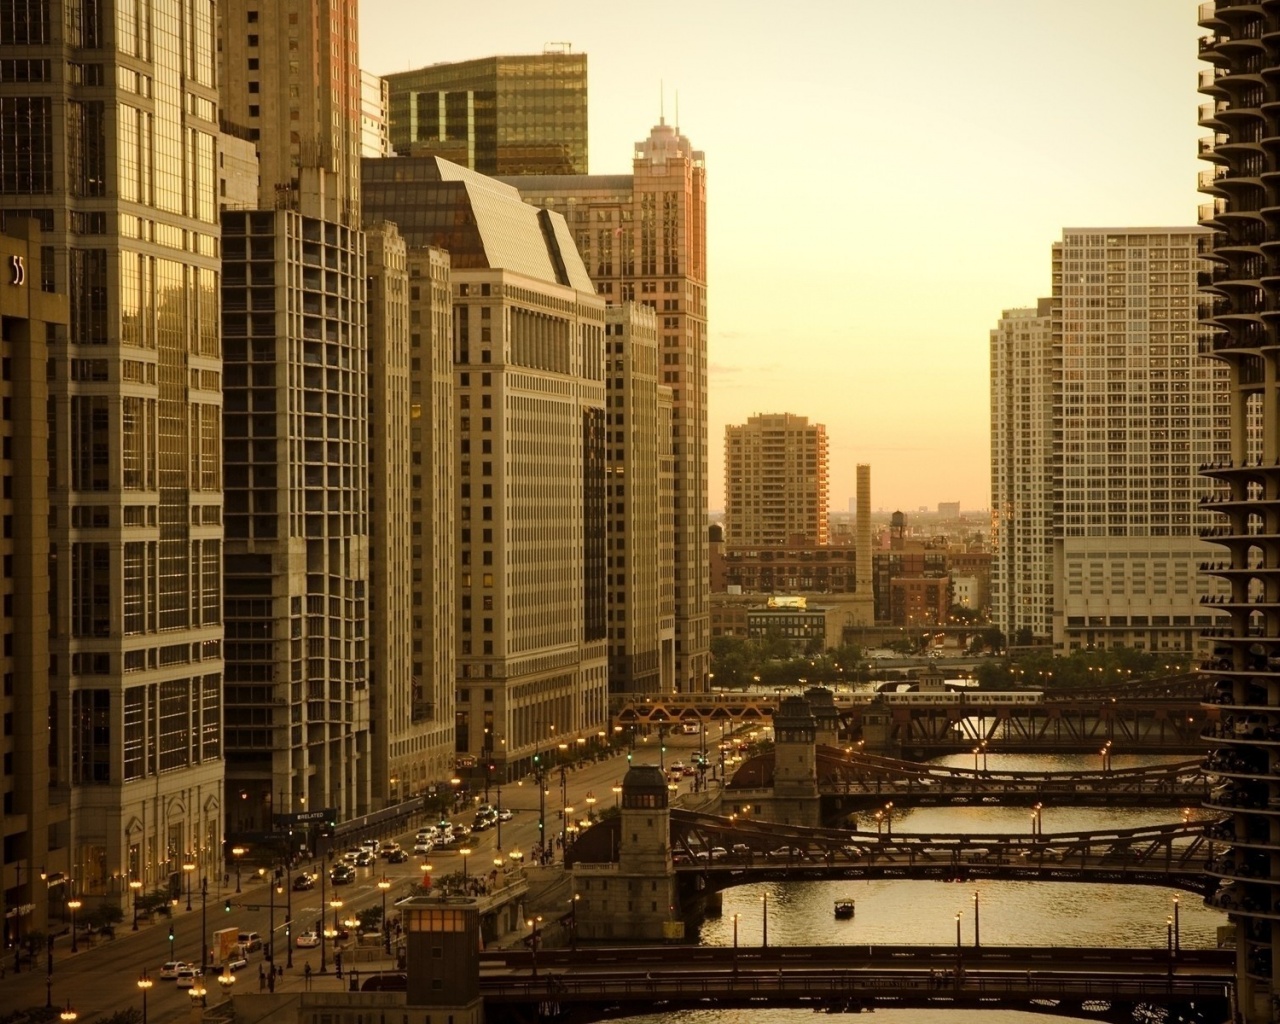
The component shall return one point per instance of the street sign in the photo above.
(302, 817)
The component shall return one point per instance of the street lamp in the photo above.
(336, 904)
(197, 992)
(145, 983)
(466, 852)
(384, 883)
(617, 793)
(735, 943)
(764, 933)
(533, 923)
(977, 938)
(226, 979)
(73, 905)
(68, 1014)
(136, 886)
(204, 929)
(573, 922)
(188, 867)
(888, 817)
(591, 805)
(957, 933)
(237, 852)
(1177, 936)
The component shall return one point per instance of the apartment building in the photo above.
(775, 472)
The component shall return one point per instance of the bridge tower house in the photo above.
(823, 704)
(638, 901)
(795, 765)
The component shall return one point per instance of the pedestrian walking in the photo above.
(262, 978)
(306, 974)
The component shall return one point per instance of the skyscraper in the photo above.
(775, 473)
(1023, 361)
(113, 153)
(529, 457)
(643, 238)
(297, 373)
(1137, 411)
(1241, 321)
(497, 115)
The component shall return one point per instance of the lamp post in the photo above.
(573, 922)
(384, 883)
(1037, 819)
(977, 937)
(466, 852)
(204, 928)
(136, 886)
(1168, 926)
(336, 904)
(225, 980)
(322, 929)
(237, 852)
(197, 992)
(591, 805)
(288, 920)
(500, 775)
(735, 943)
(617, 794)
(73, 905)
(533, 945)
(188, 867)
(957, 933)
(764, 921)
(68, 1014)
(1177, 936)
(144, 985)
(888, 817)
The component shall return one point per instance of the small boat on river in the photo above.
(844, 910)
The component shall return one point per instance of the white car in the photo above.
(422, 846)
(170, 970)
(307, 940)
(186, 977)
(506, 814)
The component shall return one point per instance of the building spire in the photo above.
(662, 102)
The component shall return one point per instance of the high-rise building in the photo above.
(424, 754)
(864, 593)
(637, 425)
(113, 152)
(775, 476)
(31, 822)
(643, 238)
(297, 414)
(1023, 361)
(528, 364)
(1111, 452)
(496, 115)
(375, 97)
(1242, 88)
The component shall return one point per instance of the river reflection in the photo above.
(1009, 913)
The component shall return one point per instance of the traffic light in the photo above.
(170, 933)
(537, 758)
(226, 906)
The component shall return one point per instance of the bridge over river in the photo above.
(864, 780)
(1116, 985)
(711, 852)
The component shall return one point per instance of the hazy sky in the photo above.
(882, 179)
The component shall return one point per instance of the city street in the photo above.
(103, 977)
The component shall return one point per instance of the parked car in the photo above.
(304, 881)
(171, 968)
(307, 940)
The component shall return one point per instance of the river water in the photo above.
(1011, 913)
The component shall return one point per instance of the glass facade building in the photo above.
(497, 115)
(108, 136)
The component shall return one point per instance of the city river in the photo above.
(1010, 913)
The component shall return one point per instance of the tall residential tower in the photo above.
(775, 473)
(1242, 319)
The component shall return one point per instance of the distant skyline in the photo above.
(876, 194)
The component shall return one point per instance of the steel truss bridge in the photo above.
(866, 779)
(747, 851)
(1122, 985)
(1077, 722)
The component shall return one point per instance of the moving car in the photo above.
(171, 968)
(307, 940)
(506, 814)
(304, 881)
(342, 874)
(397, 856)
(186, 977)
(423, 845)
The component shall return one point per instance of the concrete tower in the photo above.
(864, 597)
(795, 765)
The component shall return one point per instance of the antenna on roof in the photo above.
(557, 47)
(662, 102)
